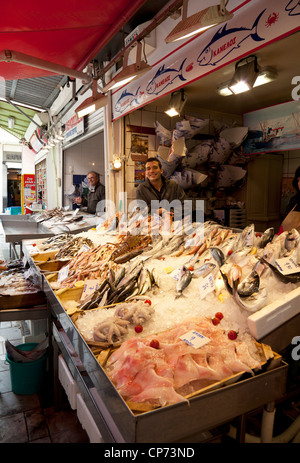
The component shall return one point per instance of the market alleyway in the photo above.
(31, 418)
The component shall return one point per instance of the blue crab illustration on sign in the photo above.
(226, 40)
(164, 77)
(127, 99)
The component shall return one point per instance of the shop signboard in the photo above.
(255, 24)
(28, 193)
(275, 128)
(36, 141)
(73, 128)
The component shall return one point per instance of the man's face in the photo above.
(153, 171)
(92, 179)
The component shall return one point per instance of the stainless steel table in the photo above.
(17, 230)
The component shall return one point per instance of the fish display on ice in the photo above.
(165, 369)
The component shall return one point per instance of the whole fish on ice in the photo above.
(185, 278)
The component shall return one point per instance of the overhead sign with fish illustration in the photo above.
(255, 24)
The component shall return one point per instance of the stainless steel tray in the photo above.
(173, 423)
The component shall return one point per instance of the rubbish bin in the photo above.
(27, 377)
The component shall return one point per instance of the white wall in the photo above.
(28, 158)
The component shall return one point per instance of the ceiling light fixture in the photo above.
(129, 71)
(11, 122)
(93, 103)
(246, 72)
(261, 76)
(198, 22)
(177, 102)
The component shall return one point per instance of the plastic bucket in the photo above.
(27, 378)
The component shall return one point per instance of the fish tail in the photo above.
(255, 35)
(180, 70)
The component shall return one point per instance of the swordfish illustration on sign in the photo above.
(226, 40)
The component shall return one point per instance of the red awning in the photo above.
(65, 33)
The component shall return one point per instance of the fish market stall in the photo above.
(211, 283)
(45, 224)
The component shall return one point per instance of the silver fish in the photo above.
(292, 239)
(252, 303)
(218, 255)
(204, 270)
(184, 280)
(249, 285)
(266, 237)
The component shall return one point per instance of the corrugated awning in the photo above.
(60, 32)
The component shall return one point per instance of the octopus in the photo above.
(135, 312)
(110, 330)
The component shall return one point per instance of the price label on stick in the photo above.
(287, 265)
(90, 287)
(63, 273)
(206, 286)
(195, 339)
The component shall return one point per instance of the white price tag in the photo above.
(28, 273)
(206, 286)
(287, 265)
(90, 287)
(195, 339)
(63, 273)
(84, 248)
(176, 274)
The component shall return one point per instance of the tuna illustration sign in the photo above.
(255, 24)
(164, 77)
(226, 40)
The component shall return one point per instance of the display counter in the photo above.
(174, 423)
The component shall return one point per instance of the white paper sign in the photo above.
(195, 339)
(287, 265)
(90, 287)
(206, 286)
(63, 273)
(84, 248)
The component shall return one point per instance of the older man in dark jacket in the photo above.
(96, 193)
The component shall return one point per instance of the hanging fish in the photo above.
(184, 280)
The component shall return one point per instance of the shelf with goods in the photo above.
(41, 183)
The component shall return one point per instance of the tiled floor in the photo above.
(31, 418)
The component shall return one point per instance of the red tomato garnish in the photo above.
(232, 335)
(191, 268)
(138, 328)
(154, 343)
(163, 258)
(147, 301)
(258, 234)
(219, 315)
(34, 244)
(216, 321)
(230, 252)
(194, 235)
